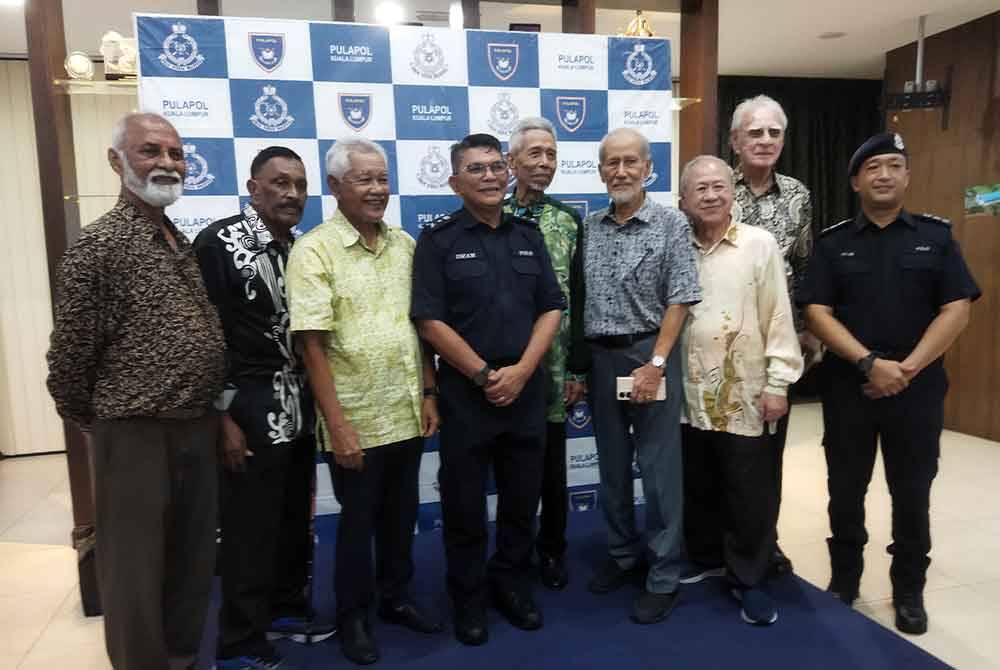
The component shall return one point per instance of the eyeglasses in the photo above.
(367, 181)
(479, 169)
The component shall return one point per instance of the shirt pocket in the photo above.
(527, 271)
(921, 272)
(853, 279)
(467, 280)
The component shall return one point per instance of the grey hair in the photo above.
(753, 104)
(698, 160)
(525, 126)
(644, 151)
(338, 158)
(120, 129)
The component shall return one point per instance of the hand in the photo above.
(812, 349)
(772, 407)
(234, 445)
(504, 386)
(346, 446)
(645, 383)
(887, 378)
(573, 393)
(910, 370)
(430, 420)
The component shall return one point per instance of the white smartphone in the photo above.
(625, 388)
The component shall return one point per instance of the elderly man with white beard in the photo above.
(136, 360)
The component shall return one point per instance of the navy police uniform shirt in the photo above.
(489, 285)
(886, 285)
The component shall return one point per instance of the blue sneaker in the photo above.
(300, 629)
(757, 607)
(274, 662)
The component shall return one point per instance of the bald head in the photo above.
(624, 136)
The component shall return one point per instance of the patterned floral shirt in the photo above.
(635, 270)
(739, 341)
(244, 271)
(135, 334)
(785, 211)
(560, 225)
(361, 298)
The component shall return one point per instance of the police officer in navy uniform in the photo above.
(486, 299)
(888, 292)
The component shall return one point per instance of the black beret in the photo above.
(876, 145)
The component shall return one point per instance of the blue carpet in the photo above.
(582, 630)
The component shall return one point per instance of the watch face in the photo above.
(658, 361)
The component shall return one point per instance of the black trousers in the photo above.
(265, 550)
(156, 490)
(379, 501)
(730, 501)
(908, 426)
(517, 467)
(551, 539)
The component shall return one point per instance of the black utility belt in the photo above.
(621, 341)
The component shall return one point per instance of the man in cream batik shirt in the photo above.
(349, 294)
(740, 353)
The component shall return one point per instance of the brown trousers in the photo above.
(156, 484)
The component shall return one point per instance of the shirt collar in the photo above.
(257, 226)
(350, 236)
(128, 210)
(740, 178)
(642, 215)
(861, 221)
(533, 211)
(731, 236)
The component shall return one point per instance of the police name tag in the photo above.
(466, 256)
(526, 252)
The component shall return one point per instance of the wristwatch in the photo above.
(658, 362)
(865, 364)
(480, 378)
(431, 392)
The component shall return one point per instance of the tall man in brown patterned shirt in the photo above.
(782, 206)
(136, 360)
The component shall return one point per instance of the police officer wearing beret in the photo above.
(888, 292)
(486, 299)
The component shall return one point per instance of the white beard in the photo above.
(151, 193)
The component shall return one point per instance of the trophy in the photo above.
(120, 55)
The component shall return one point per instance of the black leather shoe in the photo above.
(843, 593)
(470, 626)
(779, 564)
(406, 613)
(611, 577)
(356, 641)
(552, 570)
(911, 617)
(519, 608)
(652, 607)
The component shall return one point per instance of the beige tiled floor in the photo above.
(42, 627)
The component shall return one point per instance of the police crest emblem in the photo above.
(356, 109)
(571, 111)
(583, 207)
(579, 416)
(503, 59)
(503, 115)
(268, 50)
(271, 112)
(180, 50)
(428, 58)
(197, 176)
(639, 69)
(583, 501)
(651, 179)
(433, 169)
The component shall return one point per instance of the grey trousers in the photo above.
(650, 434)
(156, 485)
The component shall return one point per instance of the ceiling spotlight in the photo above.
(833, 35)
(389, 13)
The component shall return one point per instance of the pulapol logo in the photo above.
(571, 112)
(571, 61)
(433, 169)
(639, 69)
(180, 50)
(579, 416)
(642, 117)
(356, 108)
(503, 115)
(271, 112)
(428, 58)
(583, 501)
(198, 176)
(503, 59)
(267, 49)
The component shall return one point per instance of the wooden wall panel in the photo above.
(943, 163)
(94, 117)
(30, 422)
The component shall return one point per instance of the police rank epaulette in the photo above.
(830, 229)
(523, 221)
(442, 222)
(934, 219)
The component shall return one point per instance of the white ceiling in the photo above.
(756, 37)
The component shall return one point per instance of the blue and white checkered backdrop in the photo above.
(233, 86)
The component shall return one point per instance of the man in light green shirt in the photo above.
(349, 283)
